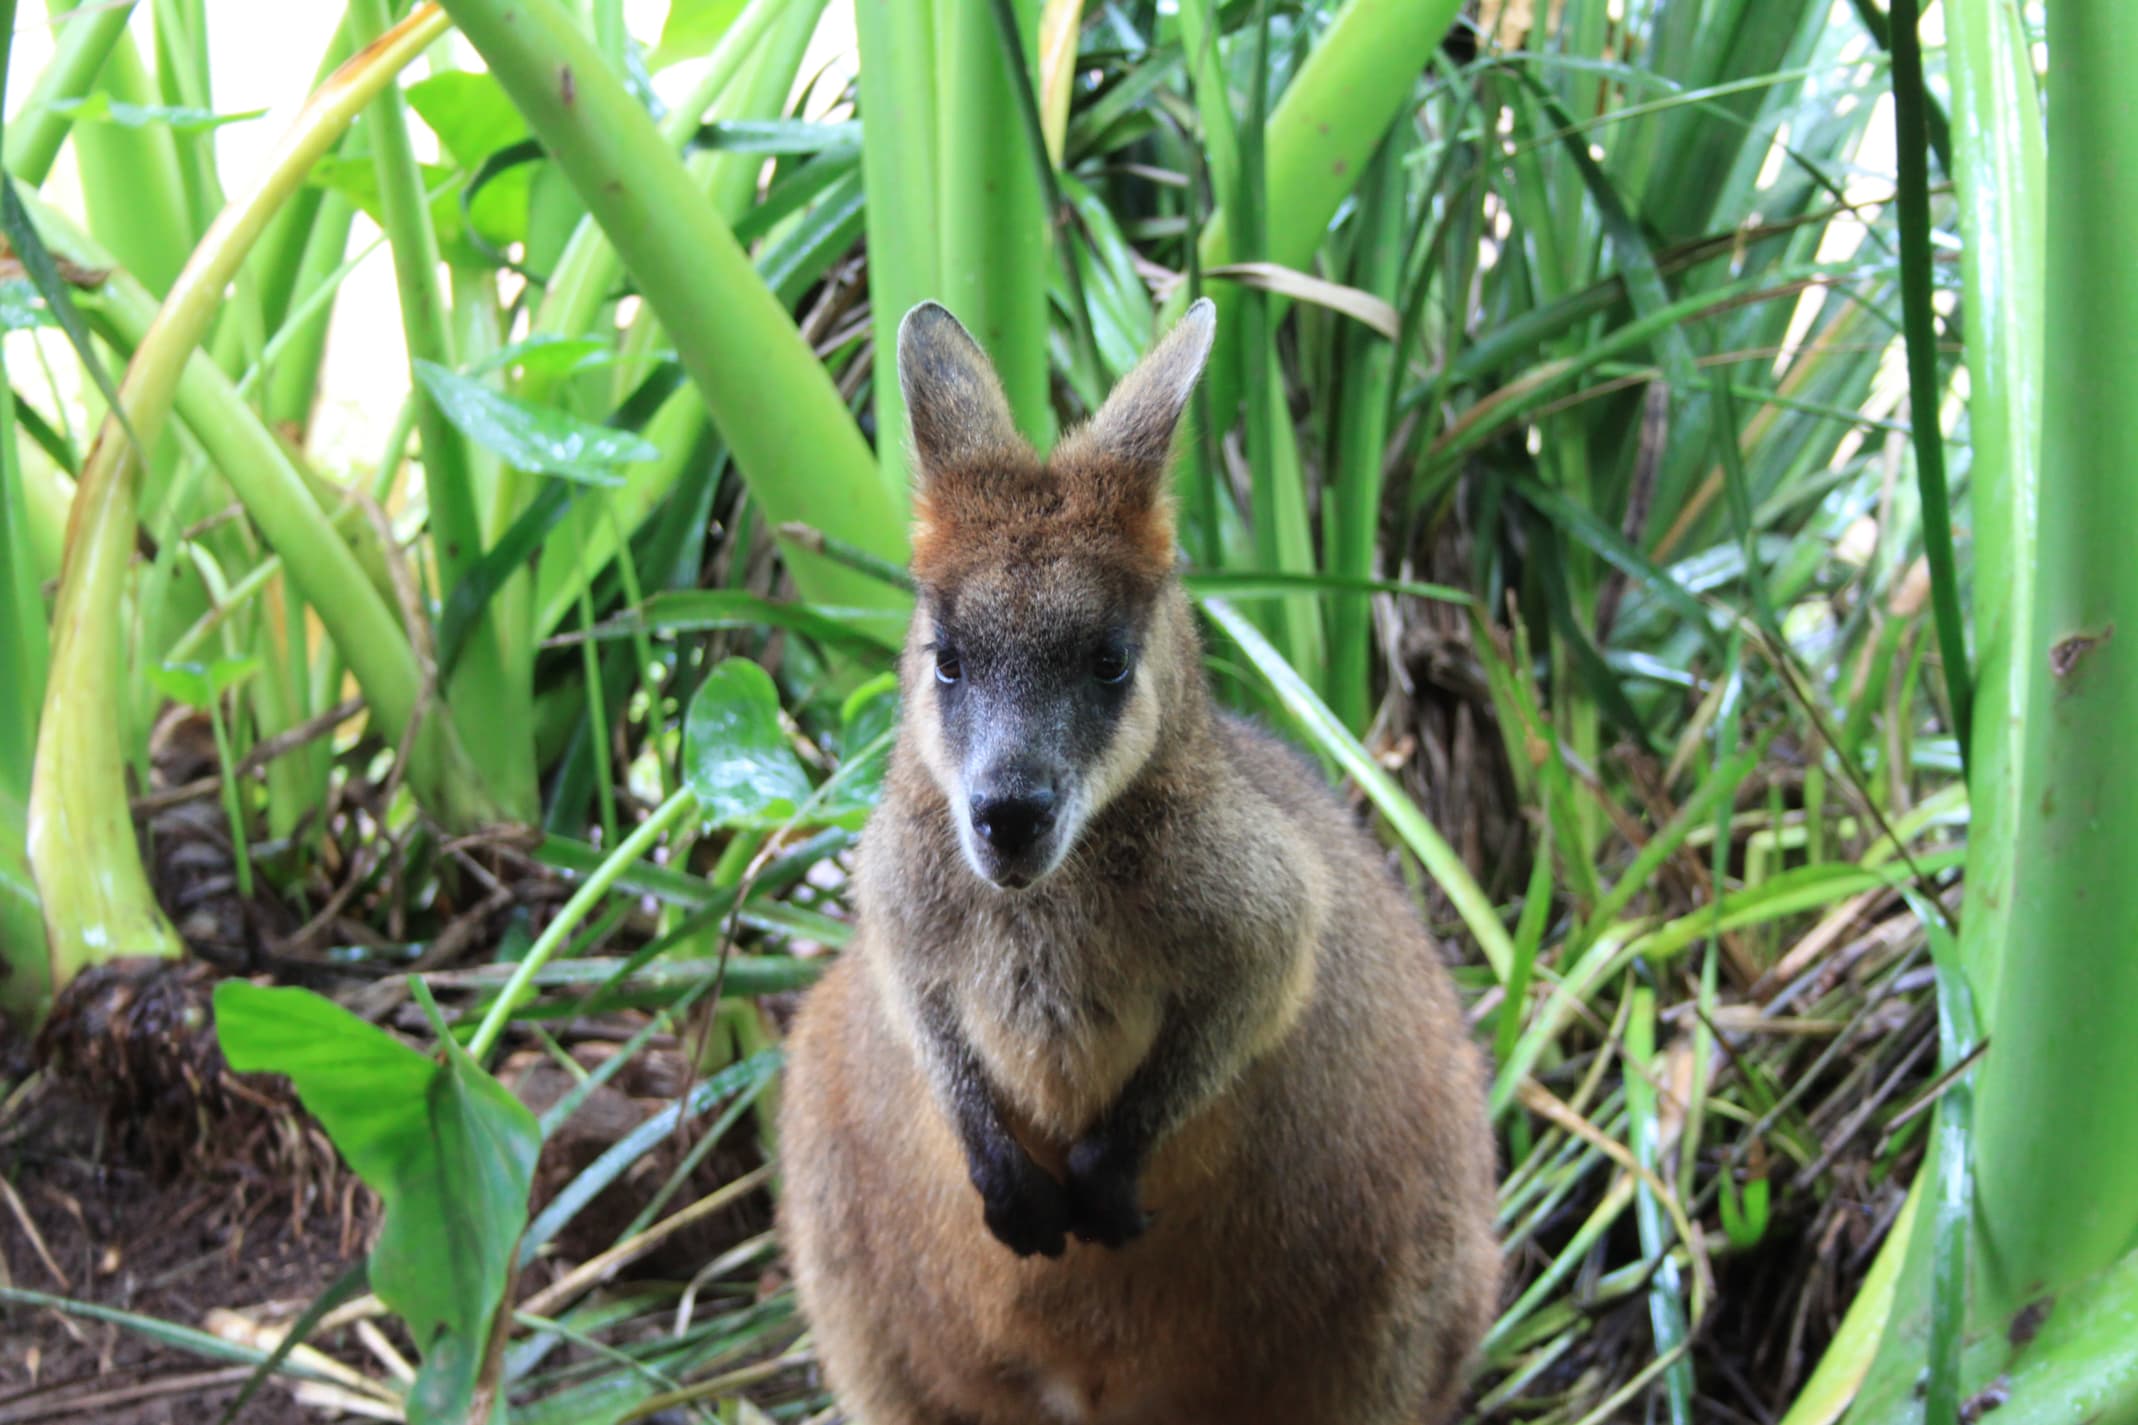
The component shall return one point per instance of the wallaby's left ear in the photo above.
(1135, 425)
(958, 415)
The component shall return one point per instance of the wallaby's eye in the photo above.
(947, 668)
(1110, 665)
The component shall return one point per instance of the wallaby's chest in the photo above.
(1060, 1013)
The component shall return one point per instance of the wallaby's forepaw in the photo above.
(1027, 1210)
(1102, 1189)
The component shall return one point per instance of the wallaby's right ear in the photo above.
(954, 402)
(1136, 423)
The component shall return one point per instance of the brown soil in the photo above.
(176, 1204)
(125, 1236)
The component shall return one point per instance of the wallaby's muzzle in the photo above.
(1019, 823)
(1012, 825)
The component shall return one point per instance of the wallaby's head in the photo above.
(1048, 635)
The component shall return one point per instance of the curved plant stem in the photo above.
(626, 855)
(97, 901)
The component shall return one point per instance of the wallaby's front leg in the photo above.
(1024, 1206)
(1193, 1058)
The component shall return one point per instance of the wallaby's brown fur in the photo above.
(1204, 1066)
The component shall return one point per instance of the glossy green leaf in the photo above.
(867, 720)
(21, 309)
(779, 137)
(448, 1150)
(101, 108)
(501, 219)
(549, 355)
(200, 684)
(736, 757)
(530, 437)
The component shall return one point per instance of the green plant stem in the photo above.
(898, 164)
(767, 392)
(487, 687)
(1999, 172)
(131, 187)
(989, 219)
(2057, 1147)
(628, 853)
(233, 797)
(587, 273)
(84, 40)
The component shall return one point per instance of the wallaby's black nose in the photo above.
(1011, 824)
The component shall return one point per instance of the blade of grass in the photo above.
(1925, 390)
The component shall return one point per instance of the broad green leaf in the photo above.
(101, 108)
(735, 754)
(692, 29)
(199, 684)
(473, 120)
(469, 113)
(447, 1149)
(499, 220)
(866, 720)
(530, 437)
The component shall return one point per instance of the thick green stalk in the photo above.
(426, 319)
(1999, 170)
(292, 382)
(589, 269)
(485, 690)
(97, 900)
(776, 406)
(25, 979)
(300, 251)
(182, 81)
(84, 38)
(898, 165)
(992, 224)
(2057, 1142)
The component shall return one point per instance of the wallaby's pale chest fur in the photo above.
(1142, 1095)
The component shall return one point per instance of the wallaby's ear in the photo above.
(1135, 425)
(954, 401)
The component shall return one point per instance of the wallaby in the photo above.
(1126, 966)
